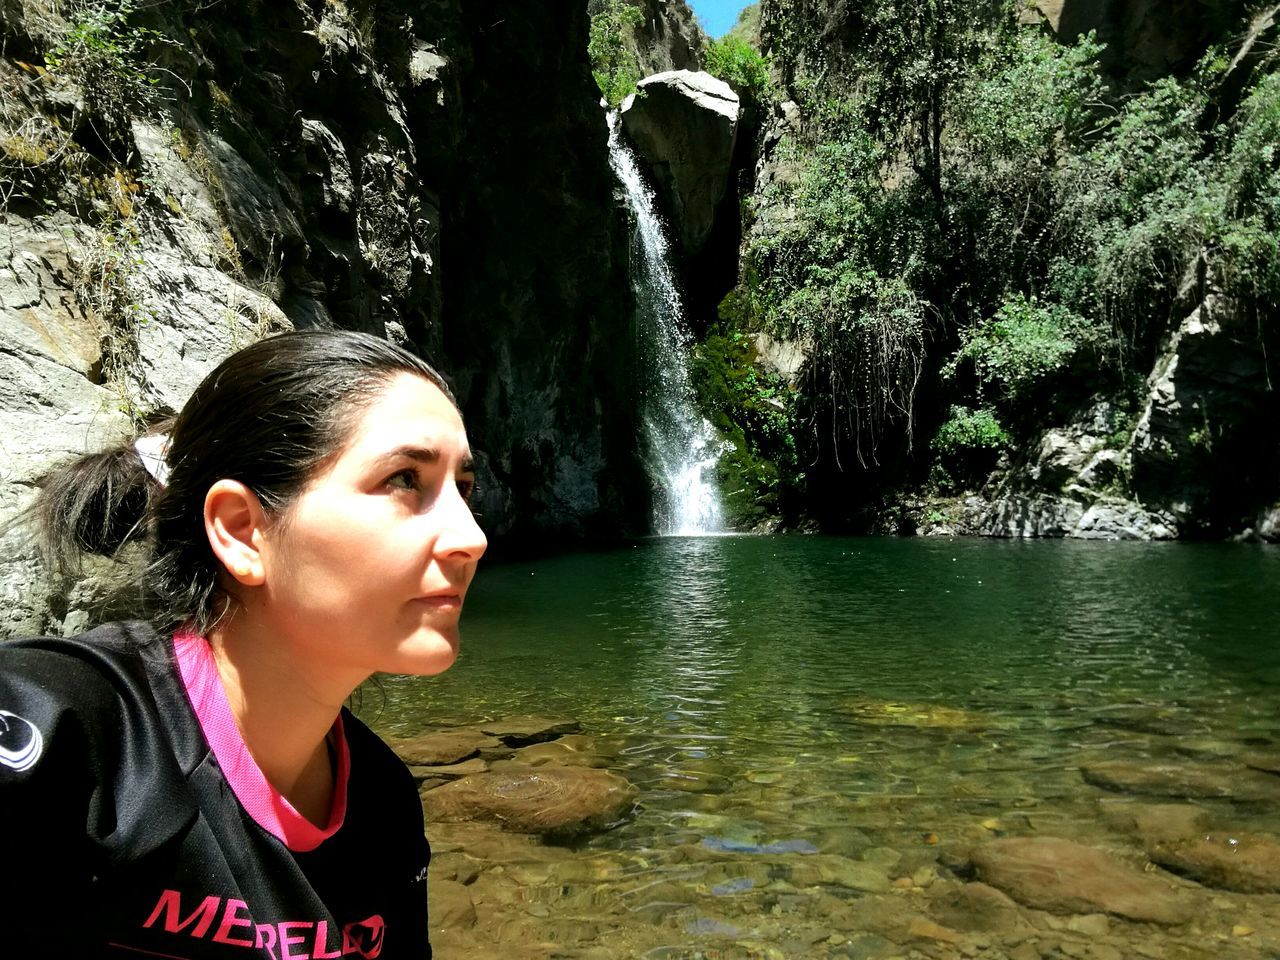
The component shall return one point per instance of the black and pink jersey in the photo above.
(134, 822)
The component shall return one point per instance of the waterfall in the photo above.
(682, 445)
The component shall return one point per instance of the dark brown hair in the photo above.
(268, 416)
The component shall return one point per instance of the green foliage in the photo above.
(756, 413)
(739, 64)
(107, 56)
(613, 63)
(967, 432)
(1024, 344)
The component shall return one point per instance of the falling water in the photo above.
(682, 445)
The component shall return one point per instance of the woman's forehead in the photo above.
(410, 412)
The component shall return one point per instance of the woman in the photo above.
(191, 786)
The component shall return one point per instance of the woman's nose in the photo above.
(460, 535)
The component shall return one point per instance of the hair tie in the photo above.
(152, 450)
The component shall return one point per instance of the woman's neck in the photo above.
(284, 711)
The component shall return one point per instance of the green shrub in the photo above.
(107, 56)
(613, 64)
(966, 431)
(1024, 344)
(739, 64)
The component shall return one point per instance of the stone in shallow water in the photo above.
(1064, 877)
(1190, 780)
(1156, 822)
(454, 770)
(837, 871)
(549, 800)
(977, 907)
(437, 749)
(929, 716)
(449, 905)
(523, 731)
(568, 751)
(1245, 863)
(1266, 762)
(741, 846)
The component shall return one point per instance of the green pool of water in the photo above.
(862, 694)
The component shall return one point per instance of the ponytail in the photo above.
(93, 505)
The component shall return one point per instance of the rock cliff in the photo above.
(176, 181)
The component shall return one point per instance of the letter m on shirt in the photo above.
(169, 906)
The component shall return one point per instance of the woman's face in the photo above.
(368, 568)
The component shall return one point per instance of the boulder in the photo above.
(1186, 780)
(523, 731)
(445, 747)
(979, 908)
(1065, 877)
(1245, 863)
(466, 768)
(684, 125)
(564, 801)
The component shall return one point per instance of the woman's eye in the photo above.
(467, 489)
(404, 480)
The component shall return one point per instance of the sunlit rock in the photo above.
(1065, 877)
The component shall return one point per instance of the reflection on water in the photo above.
(775, 695)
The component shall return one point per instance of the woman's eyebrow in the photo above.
(420, 454)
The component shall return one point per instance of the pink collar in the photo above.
(259, 798)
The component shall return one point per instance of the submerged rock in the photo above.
(562, 801)
(1183, 780)
(1065, 877)
(1246, 863)
(446, 747)
(524, 731)
(1158, 822)
(895, 713)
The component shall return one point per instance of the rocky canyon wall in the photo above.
(178, 179)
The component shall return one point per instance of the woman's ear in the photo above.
(234, 523)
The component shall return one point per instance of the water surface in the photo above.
(772, 696)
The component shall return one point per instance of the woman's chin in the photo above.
(427, 653)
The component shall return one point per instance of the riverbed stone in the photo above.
(563, 801)
(445, 747)
(980, 908)
(1068, 878)
(1264, 762)
(1157, 822)
(466, 768)
(450, 905)
(524, 731)
(1243, 862)
(1188, 780)
(838, 871)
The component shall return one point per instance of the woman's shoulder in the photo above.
(79, 728)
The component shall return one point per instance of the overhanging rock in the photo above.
(684, 124)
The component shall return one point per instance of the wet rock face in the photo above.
(685, 125)
(1065, 877)
(1206, 443)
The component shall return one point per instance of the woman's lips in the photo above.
(441, 601)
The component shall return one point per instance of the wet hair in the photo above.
(269, 416)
